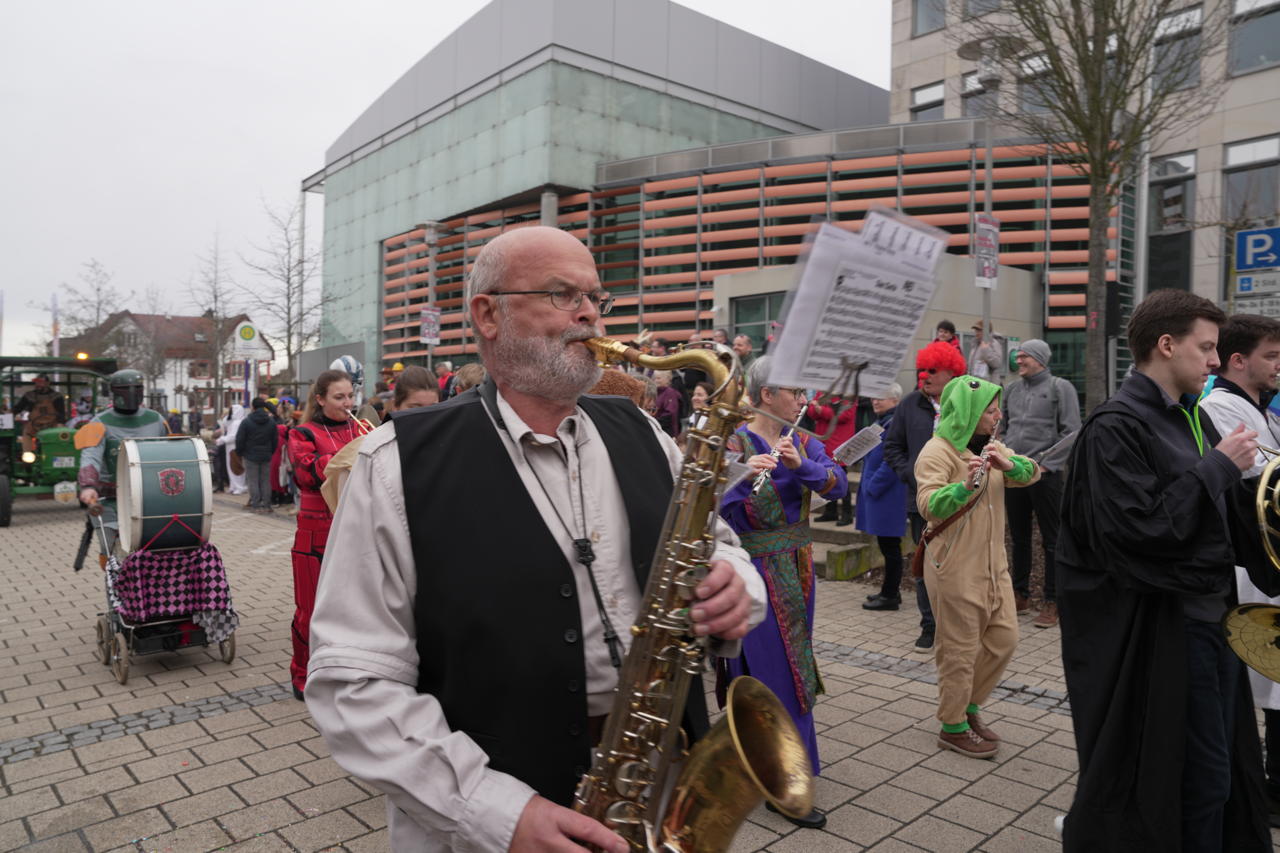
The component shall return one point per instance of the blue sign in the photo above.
(1244, 284)
(1257, 249)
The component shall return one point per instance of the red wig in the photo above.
(942, 356)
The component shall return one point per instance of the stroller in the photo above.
(171, 590)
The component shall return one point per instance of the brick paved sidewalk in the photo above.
(193, 754)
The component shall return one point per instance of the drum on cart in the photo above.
(157, 479)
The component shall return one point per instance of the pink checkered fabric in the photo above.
(167, 584)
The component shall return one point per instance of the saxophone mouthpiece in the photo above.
(609, 351)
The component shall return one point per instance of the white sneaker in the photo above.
(1059, 822)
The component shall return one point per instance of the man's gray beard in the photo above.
(542, 366)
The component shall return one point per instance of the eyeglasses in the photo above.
(566, 298)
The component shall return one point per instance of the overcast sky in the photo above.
(136, 131)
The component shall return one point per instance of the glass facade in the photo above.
(546, 127)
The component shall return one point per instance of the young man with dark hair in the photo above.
(1249, 349)
(1146, 554)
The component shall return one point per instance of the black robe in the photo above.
(1137, 537)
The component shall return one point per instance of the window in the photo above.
(927, 16)
(976, 8)
(1171, 197)
(1251, 190)
(199, 369)
(1252, 151)
(1177, 52)
(926, 102)
(1250, 194)
(975, 100)
(1255, 35)
(754, 317)
(1032, 98)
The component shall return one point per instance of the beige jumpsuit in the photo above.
(967, 575)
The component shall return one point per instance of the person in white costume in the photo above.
(1249, 349)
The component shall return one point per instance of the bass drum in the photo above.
(156, 479)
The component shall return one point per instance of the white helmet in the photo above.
(348, 365)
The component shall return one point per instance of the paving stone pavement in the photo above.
(193, 754)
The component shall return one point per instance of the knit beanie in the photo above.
(1037, 349)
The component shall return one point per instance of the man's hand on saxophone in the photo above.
(545, 826)
(723, 605)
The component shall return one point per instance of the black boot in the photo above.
(813, 820)
(828, 512)
(846, 517)
(881, 602)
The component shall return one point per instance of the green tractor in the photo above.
(45, 461)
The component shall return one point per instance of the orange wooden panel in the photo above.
(796, 190)
(1075, 276)
(610, 211)
(880, 182)
(572, 216)
(684, 183)
(817, 167)
(1070, 321)
(1066, 300)
(885, 162)
(715, 178)
(808, 208)
(656, 297)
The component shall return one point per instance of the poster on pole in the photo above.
(986, 243)
(430, 320)
(860, 298)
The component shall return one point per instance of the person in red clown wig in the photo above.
(938, 363)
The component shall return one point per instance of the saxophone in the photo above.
(754, 752)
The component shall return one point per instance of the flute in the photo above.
(763, 476)
(981, 474)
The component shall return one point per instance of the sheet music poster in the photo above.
(860, 296)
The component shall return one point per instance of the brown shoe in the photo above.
(975, 723)
(1048, 615)
(968, 743)
(1021, 603)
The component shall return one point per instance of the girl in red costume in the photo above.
(327, 426)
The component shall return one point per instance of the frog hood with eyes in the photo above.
(963, 401)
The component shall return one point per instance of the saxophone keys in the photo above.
(632, 778)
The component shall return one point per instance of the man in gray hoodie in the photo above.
(1039, 410)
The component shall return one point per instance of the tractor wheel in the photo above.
(120, 657)
(6, 501)
(228, 649)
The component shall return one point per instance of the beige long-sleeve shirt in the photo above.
(441, 794)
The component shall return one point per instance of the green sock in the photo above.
(972, 709)
(955, 728)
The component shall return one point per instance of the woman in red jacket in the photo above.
(326, 428)
(822, 410)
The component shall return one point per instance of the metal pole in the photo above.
(302, 284)
(432, 238)
(986, 208)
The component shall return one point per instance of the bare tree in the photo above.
(144, 350)
(214, 293)
(1099, 81)
(85, 308)
(281, 294)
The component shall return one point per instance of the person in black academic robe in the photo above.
(1154, 520)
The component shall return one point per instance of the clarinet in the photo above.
(763, 476)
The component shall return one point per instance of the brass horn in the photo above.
(1253, 630)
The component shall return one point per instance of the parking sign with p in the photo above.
(1257, 249)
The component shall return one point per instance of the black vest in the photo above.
(497, 611)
